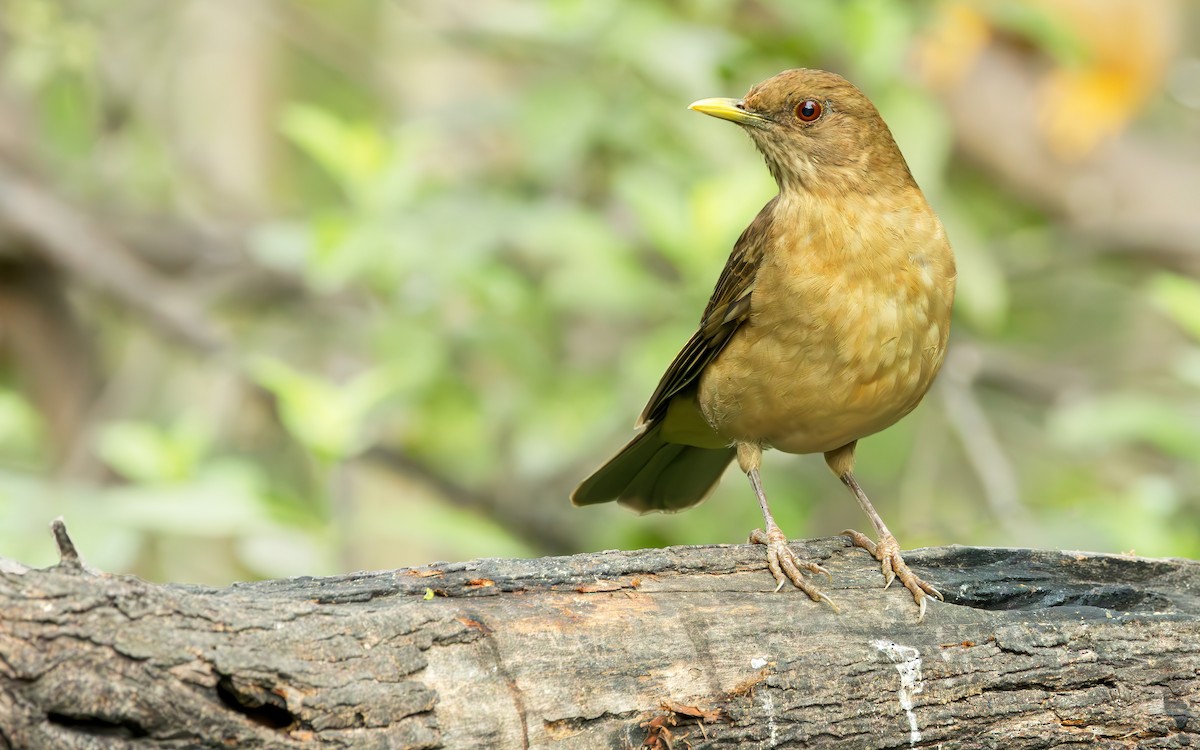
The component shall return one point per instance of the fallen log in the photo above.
(662, 648)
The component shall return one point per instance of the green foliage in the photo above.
(1179, 298)
(21, 433)
(147, 453)
(474, 235)
(330, 420)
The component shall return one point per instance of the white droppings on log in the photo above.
(768, 704)
(758, 662)
(908, 663)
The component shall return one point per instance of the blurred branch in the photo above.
(1129, 194)
(968, 418)
(50, 351)
(528, 521)
(1038, 382)
(333, 47)
(73, 242)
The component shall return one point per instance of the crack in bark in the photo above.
(575, 724)
(510, 683)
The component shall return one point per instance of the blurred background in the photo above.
(307, 287)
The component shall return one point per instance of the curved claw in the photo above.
(829, 601)
(786, 566)
(887, 552)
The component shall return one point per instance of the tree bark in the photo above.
(665, 648)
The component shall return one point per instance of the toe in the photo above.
(813, 567)
(786, 566)
(889, 572)
(774, 567)
(859, 539)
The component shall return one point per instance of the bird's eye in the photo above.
(808, 110)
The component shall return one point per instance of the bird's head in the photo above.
(817, 132)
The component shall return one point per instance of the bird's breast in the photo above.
(847, 329)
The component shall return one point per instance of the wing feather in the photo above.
(727, 309)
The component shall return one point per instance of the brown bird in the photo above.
(828, 323)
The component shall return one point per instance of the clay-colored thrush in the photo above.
(828, 323)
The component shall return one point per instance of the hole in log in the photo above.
(97, 726)
(1008, 579)
(262, 707)
(1007, 595)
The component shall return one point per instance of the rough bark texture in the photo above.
(661, 648)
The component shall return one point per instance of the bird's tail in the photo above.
(652, 474)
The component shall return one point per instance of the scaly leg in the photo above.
(887, 549)
(781, 559)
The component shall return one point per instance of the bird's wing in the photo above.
(728, 307)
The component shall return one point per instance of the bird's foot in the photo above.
(786, 566)
(887, 552)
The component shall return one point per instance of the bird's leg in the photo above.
(886, 550)
(781, 559)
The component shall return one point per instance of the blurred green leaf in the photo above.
(20, 426)
(331, 418)
(354, 154)
(222, 501)
(878, 34)
(1178, 297)
(150, 453)
(982, 296)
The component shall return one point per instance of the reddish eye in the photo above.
(809, 110)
